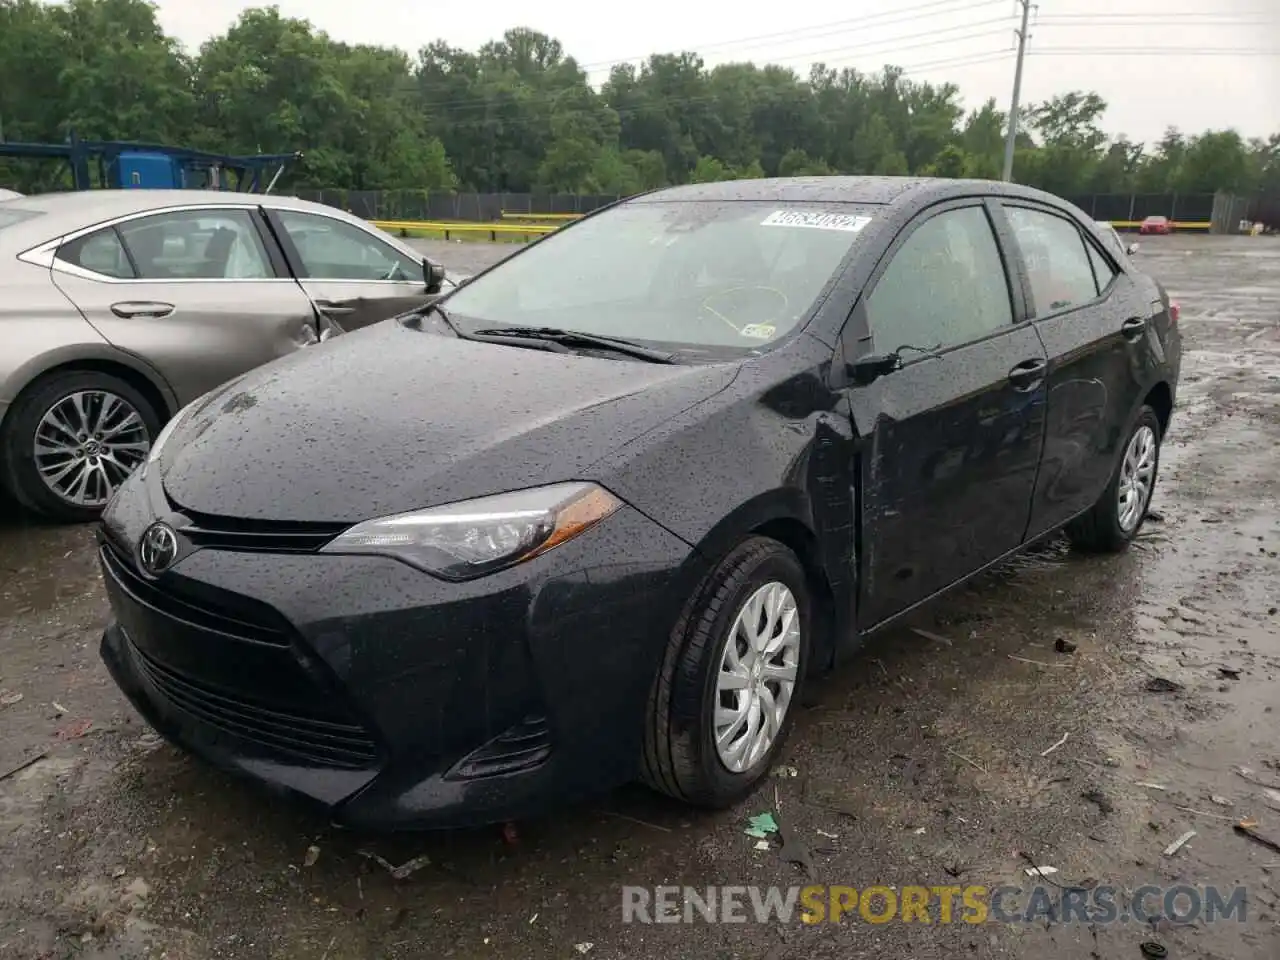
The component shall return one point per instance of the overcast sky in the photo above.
(1233, 82)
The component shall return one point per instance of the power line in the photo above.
(1156, 52)
(813, 56)
(905, 15)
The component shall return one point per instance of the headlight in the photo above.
(460, 541)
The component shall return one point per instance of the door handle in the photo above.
(142, 308)
(1027, 374)
(331, 309)
(1133, 328)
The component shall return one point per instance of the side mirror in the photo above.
(870, 369)
(433, 274)
(1132, 248)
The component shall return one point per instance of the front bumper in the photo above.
(390, 697)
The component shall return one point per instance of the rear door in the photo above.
(354, 276)
(202, 293)
(1095, 325)
(950, 441)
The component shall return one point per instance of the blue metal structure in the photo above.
(123, 165)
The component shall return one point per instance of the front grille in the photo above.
(230, 615)
(258, 535)
(330, 739)
(520, 747)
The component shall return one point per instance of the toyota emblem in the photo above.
(157, 548)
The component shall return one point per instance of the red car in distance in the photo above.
(1156, 225)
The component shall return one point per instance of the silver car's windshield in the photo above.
(728, 276)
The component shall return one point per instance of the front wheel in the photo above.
(1113, 522)
(722, 704)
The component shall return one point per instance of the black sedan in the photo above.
(598, 513)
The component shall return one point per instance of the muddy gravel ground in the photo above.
(927, 761)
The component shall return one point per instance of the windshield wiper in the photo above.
(575, 338)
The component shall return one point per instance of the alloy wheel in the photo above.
(87, 443)
(1137, 476)
(757, 676)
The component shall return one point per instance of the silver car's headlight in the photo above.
(460, 541)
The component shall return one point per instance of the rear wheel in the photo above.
(1116, 518)
(721, 706)
(71, 439)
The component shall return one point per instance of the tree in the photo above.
(519, 113)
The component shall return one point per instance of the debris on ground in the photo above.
(1229, 673)
(761, 826)
(509, 835)
(1248, 829)
(1220, 801)
(1152, 950)
(1050, 750)
(583, 947)
(1149, 785)
(74, 730)
(935, 637)
(313, 854)
(1155, 516)
(1065, 646)
(785, 772)
(23, 764)
(1099, 800)
(1178, 844)
(1163, 685)
(793, 849)
(829, 836)
(762, 844)
(9, 697)
(406, 869)
(1251, 775)
(58, 708)
(1039, 871)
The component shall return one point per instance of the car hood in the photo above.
(389, 419)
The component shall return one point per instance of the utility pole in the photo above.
(1017, 92)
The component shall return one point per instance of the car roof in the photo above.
(62, 213)
(876, 191)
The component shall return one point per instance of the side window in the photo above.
(946, 284)
(333, 250)
(196, 245)
(100, 252)
(1103, 272)
(1058, 263)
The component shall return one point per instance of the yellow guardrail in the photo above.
(540, 216)
(1176, 224)
(449, 228)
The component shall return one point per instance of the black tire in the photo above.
(22, 479)
(680, 755)
(1099, 530)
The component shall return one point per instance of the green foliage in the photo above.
(519, 113)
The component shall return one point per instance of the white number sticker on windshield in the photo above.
(816, 220)
(759, 331)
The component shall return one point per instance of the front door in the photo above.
(1093, 321)
(196, 292)
(354, 277)
(951, 440)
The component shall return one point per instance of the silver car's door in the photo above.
(202, 293)
(354, 275)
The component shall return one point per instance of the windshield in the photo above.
(712, 277)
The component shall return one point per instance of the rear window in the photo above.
(11, 215)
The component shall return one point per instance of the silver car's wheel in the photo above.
(757, 676)
(86, 444)
(56, 428)
(1137, 477)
